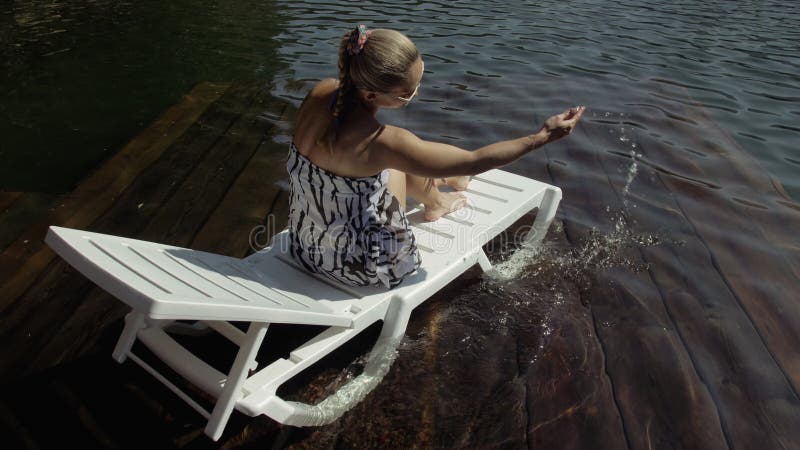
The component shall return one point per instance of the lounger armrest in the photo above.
(182, 308)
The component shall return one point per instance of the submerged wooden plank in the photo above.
(659, 395)
(146, 197)
(242, 220)
(7, 198)
(22, 262)
(28, 208)
(724, 346)
(754, 205)
(182, 215)
(570, 397)
(662, 399)
(754, 401)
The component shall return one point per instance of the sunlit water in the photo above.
(689, 143)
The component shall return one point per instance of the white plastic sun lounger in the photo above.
(163, 283)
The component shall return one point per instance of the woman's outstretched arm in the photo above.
(400, 149)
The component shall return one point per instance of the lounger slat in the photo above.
(508, 184)
(285, 275)
(488, 196)
(314, 288)
(500, 184)
(215, 272)
(77, 248)
(488, 207)
(288, 285)
(169, 261)
(430, 243)
(124, 255)
(463, 232)
(293, 284)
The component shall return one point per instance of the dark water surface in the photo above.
(664, 311)
(80, 78)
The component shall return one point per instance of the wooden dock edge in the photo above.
(24, 259)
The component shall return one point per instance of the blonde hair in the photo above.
(383, 63)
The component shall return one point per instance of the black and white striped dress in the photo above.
(353, 230)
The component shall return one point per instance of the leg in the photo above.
(397, 185)
(457, 183)
(437, 203)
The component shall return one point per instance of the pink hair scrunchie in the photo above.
(357, 40)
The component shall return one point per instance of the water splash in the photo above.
(597, 252)
(633, 169)
(354, 391)
(543, 274)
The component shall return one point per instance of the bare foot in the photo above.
(448, 202)
(457, 183)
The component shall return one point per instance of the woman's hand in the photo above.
(562, 124)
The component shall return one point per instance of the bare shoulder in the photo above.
(394, 138)
(317, 98)
(398, 148)
(324, 88)
(312, 117)
(391, 143)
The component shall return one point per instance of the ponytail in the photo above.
(376, 60)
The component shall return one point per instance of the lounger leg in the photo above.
(396, 320)
(233, 385)
(547, 211)
(134, 321)
(483, 261)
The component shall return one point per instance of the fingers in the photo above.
(575, 115)
(561, 125)
(581, 110)
(575, 111)
(571, 118)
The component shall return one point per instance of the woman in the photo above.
(350, 174)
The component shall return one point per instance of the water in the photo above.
(351, 389)
(81, 78)
(661, 310)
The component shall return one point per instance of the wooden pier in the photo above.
(203, 175)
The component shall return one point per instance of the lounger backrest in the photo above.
(177, 283)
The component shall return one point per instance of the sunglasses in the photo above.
(406, 100)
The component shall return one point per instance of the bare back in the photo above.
(350, 155)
